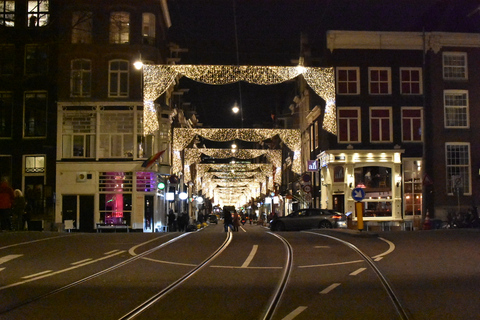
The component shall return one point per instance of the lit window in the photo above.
(78, 133)
(38, 13)
(349, 125)
(411, 80)
(6, 107)
(34, 164)
(81, 78)
(82, 27)
(348, 81)
(36, 59)
(118, 78)
(119, 27)
(456, 108)
(7, 13)
(116, 134)
(412, 124)
(379, 81)
(458, 167)
(380, 124)
(148, 28)
(455, 66)
(35, 114)
(7, 59)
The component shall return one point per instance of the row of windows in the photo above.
(37, 13)
(380, 82)
(381, 125)
(82, 22)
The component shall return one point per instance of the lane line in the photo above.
(250, 256)
(294, 313)
(243, 229)
(354, 273)
(329, 288)
(2, 269)
(110, 252)
(9, 257)
(81, 261)
(37, 274)
(33, 241)
(59, 271)
(378, 259)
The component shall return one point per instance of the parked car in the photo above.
(309, 219)
(213, 218)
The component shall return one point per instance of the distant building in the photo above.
(405, 124)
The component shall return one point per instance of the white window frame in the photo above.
(38, 13)
(120, 27)
(7, 13)
(412, 127)
(379, 82)
(380, 120)
(117, 82)
(347, 82)
(359, 122)
(461, 167)
(411, 82)
(78, 77)
(455, 71)
(453, 109)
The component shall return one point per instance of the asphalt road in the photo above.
(434, 274)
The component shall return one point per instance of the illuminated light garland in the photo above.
(182, 137)
(158, 78)
(150, 120)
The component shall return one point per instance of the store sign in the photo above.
(312, 165)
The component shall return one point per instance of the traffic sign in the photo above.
(307, 188)
(358, 194)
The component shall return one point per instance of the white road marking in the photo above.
(81, 261)
(354, 273)
(250, 256)
(9, 257)
(59, 271)
(2, 269)
(294, 313)
(329, 288)
(243, 229)
(378, 258)
(27, 242)
(110, 252)
(37, 274)
(322, 247)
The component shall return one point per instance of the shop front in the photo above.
(377, 172)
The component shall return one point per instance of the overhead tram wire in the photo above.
(238, 58)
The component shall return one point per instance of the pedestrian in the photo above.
(171, 220)
(6, 202)
(19, 214)
(227, 219)
(236, 222)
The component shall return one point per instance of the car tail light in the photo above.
(337, 217)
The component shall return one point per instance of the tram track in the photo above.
(401, 311)
(85, 279)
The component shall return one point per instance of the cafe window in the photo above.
(376, 181)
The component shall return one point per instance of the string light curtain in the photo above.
(183, 136)
(158, 78)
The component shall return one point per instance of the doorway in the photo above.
(83, 204)
(339, 202)
(148, 214)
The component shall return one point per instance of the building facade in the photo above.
(405, 132)
(101, 146)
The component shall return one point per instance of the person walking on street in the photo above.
(227, 219)
(19, 214)
(6, 202)
(236, 222)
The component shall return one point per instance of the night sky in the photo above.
(267, 32)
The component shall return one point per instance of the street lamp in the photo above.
(236, 109)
